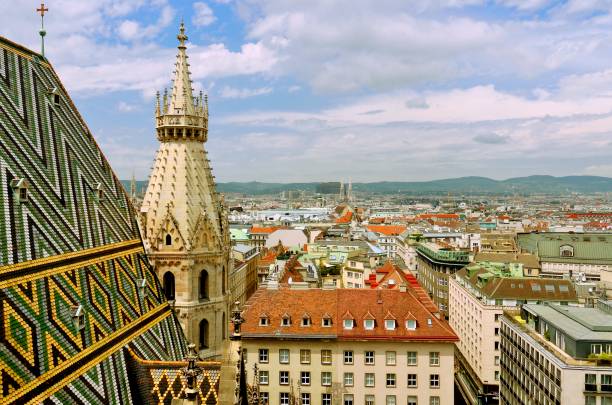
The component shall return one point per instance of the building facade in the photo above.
(554, 354)
(581, 256)
(478, 295)
(184, 221)
(434, 266)
(347, 346)
(243, 276)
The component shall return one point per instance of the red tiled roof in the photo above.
(577, 215)
(389, 230)
(263, 229)
(345, 219)
(358, 302)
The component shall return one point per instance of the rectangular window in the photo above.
(326, 399)
(390, 324)
(305, 356)
(348, 379)
(412, 380)
(434, 380)
(265, 397)
(434, 358)
(348, 357)
(391, 380)
(390, 358)
(369, 400)
(283, 377)
(326, 378)
(284, 398)
(412, 358)
(590, 400)
(305, 398)
(326, 356)
(590, 382)
(305, 377)
(606, 382)
(369, 357)
(368, 324)
(411, 324)
(412, 400)
(263, 355)
(348, 324)
(264, 377)
(369, 379)
(497, 360)
(390, 400)
(434, 400)
(348, 399)
(283, 356)
(596, 349)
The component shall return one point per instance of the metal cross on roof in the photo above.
(42, 9)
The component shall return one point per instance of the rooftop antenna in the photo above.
(42, 31)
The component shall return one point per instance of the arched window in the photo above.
(223, 281)
(225, 326)
(168, 240)
(169, 285)
(566, 251)
(203, 334)
(203, 285)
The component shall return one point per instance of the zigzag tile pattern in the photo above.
(67, 249)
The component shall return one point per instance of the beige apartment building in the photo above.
(479, 294)
(347, 346)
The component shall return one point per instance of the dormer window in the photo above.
(286, 320)
(142, 286)
(390, 324)
(78, 317)
(349, 324)
(306, 320)
(20, 186)
(566, 251)
(98, 192)
(411, 324)
(368, 324)
(326, 322)
(264, 321)
(54, 94)
(429, 322)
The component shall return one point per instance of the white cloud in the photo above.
(122, 106)
(599, 170)
(203, 15)
(231, 92)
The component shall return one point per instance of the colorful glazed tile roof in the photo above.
(77, 289)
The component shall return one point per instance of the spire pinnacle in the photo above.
(42, 10)
(182, 96)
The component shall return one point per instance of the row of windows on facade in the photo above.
(348, 380)
(326, 321)
(348, 356)
(347, 399)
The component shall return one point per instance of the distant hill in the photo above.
(465, 185)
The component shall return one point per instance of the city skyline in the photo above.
(462, 88)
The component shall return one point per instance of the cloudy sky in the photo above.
(311, 90)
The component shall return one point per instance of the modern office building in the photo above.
(556, 354)
(478, 295)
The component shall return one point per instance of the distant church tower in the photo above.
(184, 220)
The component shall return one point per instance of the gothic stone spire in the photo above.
(182, 116)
